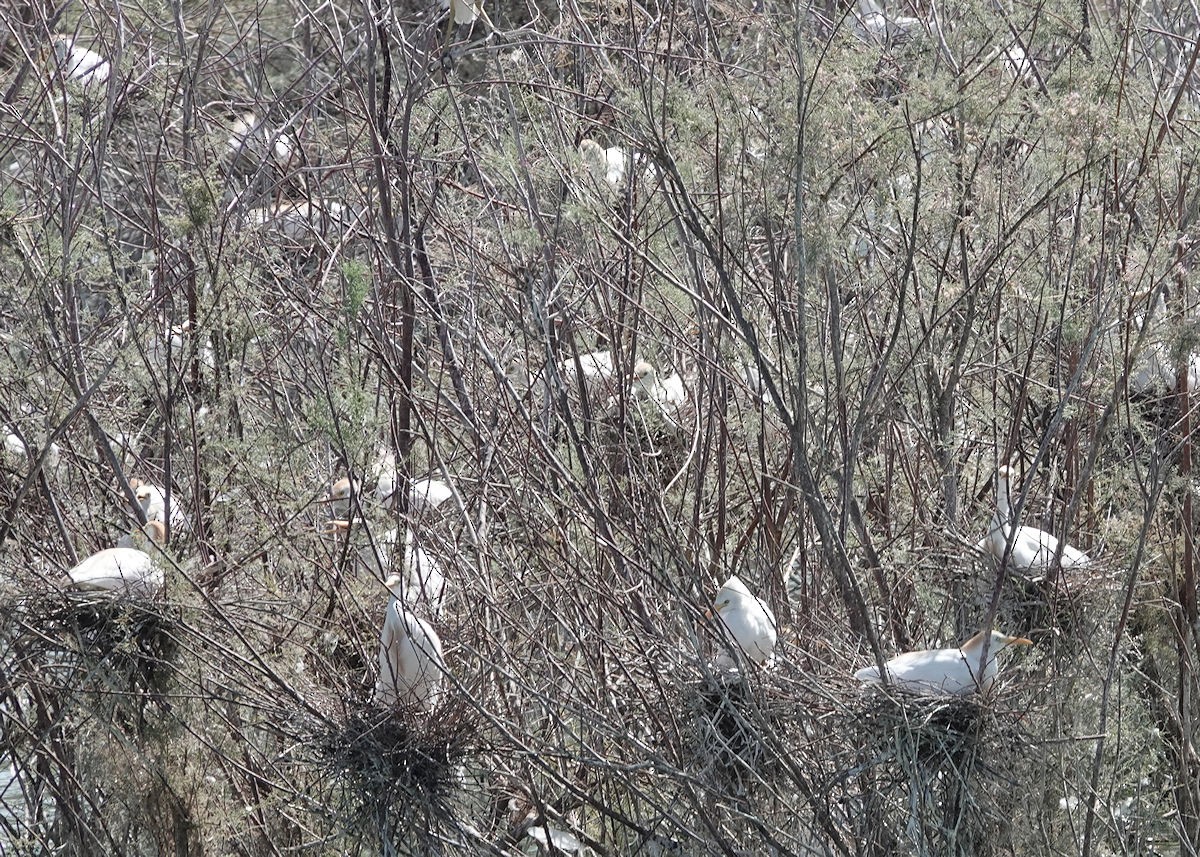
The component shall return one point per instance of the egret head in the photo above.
(144, 494)
(156, 532)
(339, 490)
(396, 584)
(732, 591)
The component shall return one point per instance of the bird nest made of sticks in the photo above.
(388, 759)
(935, 730)
(134, 638)
(737, 718)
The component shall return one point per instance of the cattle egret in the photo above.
(607, 165)
(875, 24)
(302, 220)
(121, 571)
(424, 495)
(747, 623)
(150, 533)
(339, 495)
(427, 494)
(153, 501)
(950, 672)
(411, 665)
(1033, 550)
(595, 366)
(248, 137)
(664, 391)
(84, 66)
(14, 448)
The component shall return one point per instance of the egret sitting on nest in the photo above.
(605, 164)
(121, 571)
(1033, 550)
(747, 623)
(411, 665)
(424, 495)
(80, 64)
(950, 672)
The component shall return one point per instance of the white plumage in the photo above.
(1033, 550)
(153, 501)
(950, 672)
(412, 667)
(424, 495)
(80, 64)
(607, 165)
(663, 391)
(747, 623)
(121, 571)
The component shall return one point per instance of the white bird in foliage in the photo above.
(949, 672)
(121, 571)
(595, 366)
(152, 533)
(153, 501)
(424, 495)
(747, 623)
(464, 11)
(607, 165)
(80, 64)
(663, 391)
(1033, 550)
(412, 668)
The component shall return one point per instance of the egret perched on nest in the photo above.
(120, 571)
(747, 623)
(607, 165)
(412, 668)
(80, 64)
(248, 137)
(949, 672)
(1033, 550)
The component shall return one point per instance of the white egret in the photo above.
(151, 533)
(950, 672)
(121, 571)
(80, 64)
(424, 495)
(339, 496)
(663, 391)
(874, 24)
(607, 165)
(747, 623)
(14, 449)
(423, 583)
(249, 139)
(1033, 550)
(153, 501)
(412, 667)
(595, 365)
(301, 221)
(464, 11)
